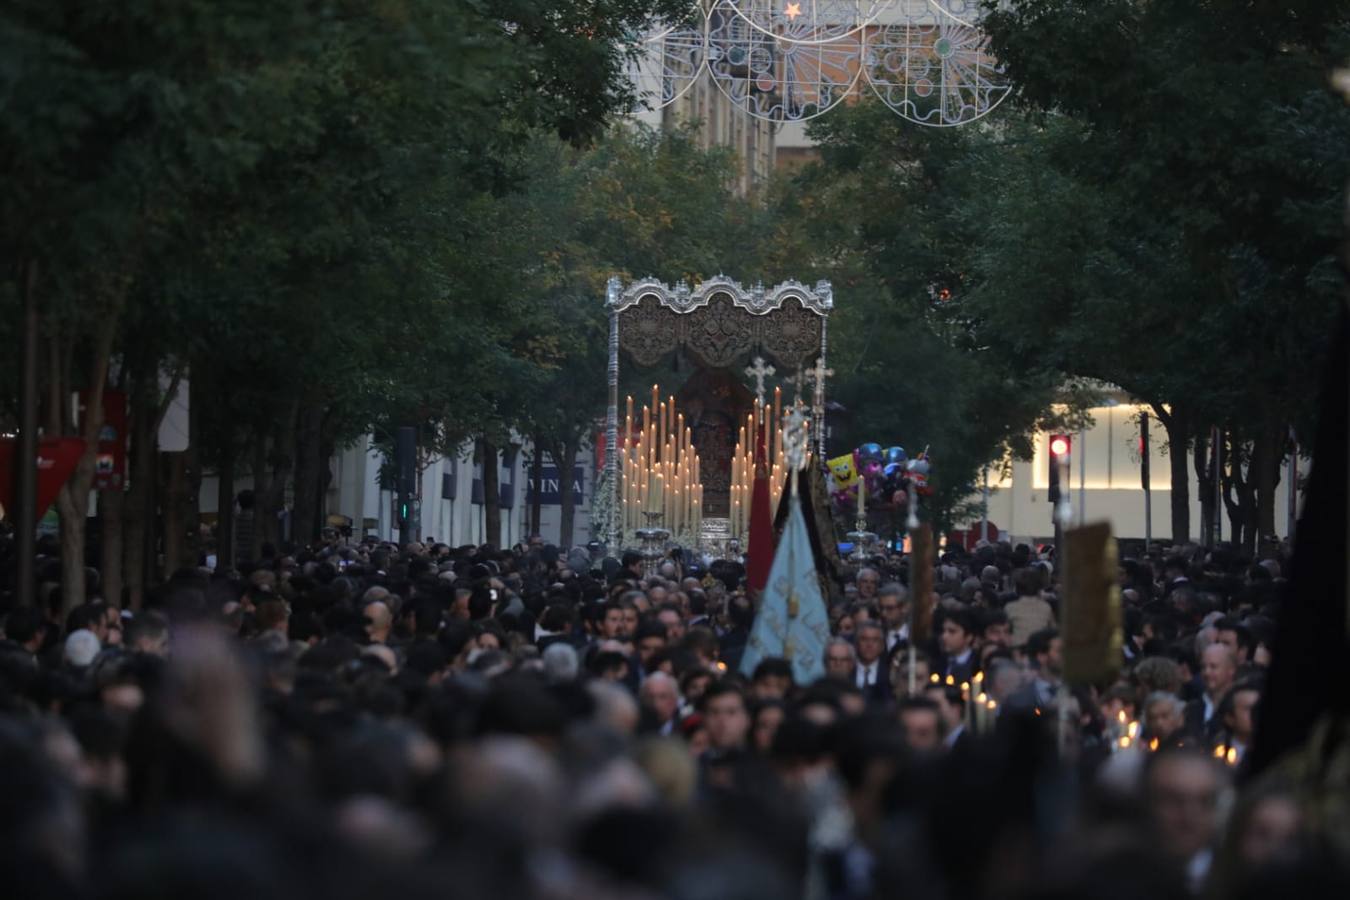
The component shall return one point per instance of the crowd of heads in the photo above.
(360, 718)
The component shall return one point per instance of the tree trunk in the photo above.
(74, 520)
(173, 466)
(308, 453)
(72, 503)
(1177, 426)
(1266, 462)
(137, 510)
(270, 501)
(1204, 476)
(1239, 490)
(110, 511)
(190, 500)
(225, 508)
(492, 495)
(262, 494)
(567, 501)
(327, 448)
(536, 479)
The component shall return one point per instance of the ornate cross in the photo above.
(759, 371)
(818, 376)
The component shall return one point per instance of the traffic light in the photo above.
(1060, 448)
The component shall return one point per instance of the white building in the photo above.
(1105, 483)
(452, 508)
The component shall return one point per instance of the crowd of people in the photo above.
(356, 719)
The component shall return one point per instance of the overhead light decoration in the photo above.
(927, 60)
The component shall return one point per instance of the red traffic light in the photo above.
(1060, 445)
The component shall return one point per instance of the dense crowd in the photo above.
(362, 719)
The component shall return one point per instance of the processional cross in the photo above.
(818, 376)
(759, 371)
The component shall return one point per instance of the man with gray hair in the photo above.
(1164, 717)
(561, 664)
(840, 659)
(893, 605)
(868, 581)
(660, 695)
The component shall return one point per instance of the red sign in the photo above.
(57, 458)
(110, 465)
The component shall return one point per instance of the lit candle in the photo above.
(661, 431)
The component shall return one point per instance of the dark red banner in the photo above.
(57, 458)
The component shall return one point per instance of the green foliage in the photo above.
(884, 216)
(1195, 161)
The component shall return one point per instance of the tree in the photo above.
(881, 216)
(1219, 116)
(235, 188)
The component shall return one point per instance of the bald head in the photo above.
(1218, 667)
(379, 621)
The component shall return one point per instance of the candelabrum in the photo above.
(861, 538)
(653, 538)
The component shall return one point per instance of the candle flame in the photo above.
(1152, 744)
(1124, 742)
(951, 680)
(1219, 751)
(1231, 756)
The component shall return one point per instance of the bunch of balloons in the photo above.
(885, 475)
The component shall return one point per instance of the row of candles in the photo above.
(660, 470)
(1127, 736)
(981, 709)
(763, 423)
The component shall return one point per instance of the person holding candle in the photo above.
(1218, 670)
(1236, 712)
(953, 709)
(957, 643)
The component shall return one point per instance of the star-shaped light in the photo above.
(793, 11)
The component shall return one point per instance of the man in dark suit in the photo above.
(1045, 650)
(1218, 669)
(872, 675)
(952, 710)
(957, 642)
(893, 605)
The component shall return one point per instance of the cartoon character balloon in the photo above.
(919, 467)
(871, 462)
(844, 480)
